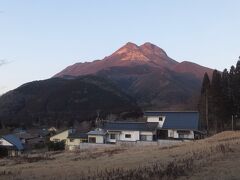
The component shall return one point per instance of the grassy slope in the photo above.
(183, 161)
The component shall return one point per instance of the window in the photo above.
(143, 137)
(183, 132)
(112, 136)
(160, 118)
(127, 135)
(92, 140)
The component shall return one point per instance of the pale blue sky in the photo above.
(41, 37)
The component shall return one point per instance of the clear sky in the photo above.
(39, 38)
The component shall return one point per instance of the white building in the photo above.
(175, 124)
(159, 125)
(130, 131)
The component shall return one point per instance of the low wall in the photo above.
(152, 143)
(91, 146)
(162, 143)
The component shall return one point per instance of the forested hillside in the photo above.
(59, 101)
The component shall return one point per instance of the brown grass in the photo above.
(148, 162)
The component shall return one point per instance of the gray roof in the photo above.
(178, 120)
(99, 132)
(78, 135)
(14, 140)
(25, 135)
(131, 126)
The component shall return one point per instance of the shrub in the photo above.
(56, 146)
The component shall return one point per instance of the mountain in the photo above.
(192, 68)
(132, 79)
(60, 101)
(149, 75)
(128, 55)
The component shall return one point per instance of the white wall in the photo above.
(134, 136)
(61, 136)
(117, 137)
(190, 135)
(156, 119)
(148, 134)
(175, 134)
(99, 139)
(172, 134)
(75, 142)
(3, 142)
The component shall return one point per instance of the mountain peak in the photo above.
(130, 45)
(148, 44)
(151, 49)
(130, 52)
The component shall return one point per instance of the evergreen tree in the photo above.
(215, 103)
(203, 102)
(226, 100)
(220, 99)
(236, 89)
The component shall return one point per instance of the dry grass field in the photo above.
(217, 157)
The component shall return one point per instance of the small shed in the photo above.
(97, 136)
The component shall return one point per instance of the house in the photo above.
(61, 135)
(130, 131)
(11, 145)
(97, 136)
(159, 125)
(31, 141)
(175, 124)
(74, 139)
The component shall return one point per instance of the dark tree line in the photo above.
(220, 100)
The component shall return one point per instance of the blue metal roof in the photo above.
(14, 140)
(177, 120)
(131, 126)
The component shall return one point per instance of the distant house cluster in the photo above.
(20, 140)
(158, 126)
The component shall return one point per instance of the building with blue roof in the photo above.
(11, 144)
(158, 125)
(175, 124)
